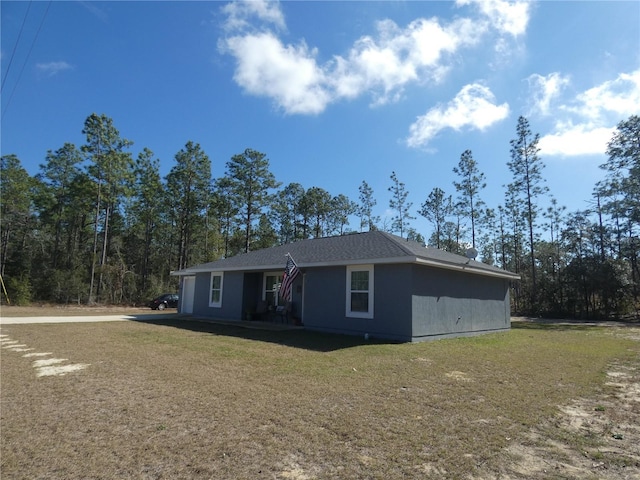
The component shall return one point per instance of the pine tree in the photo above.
(147, 212)
(317, 206)
(399, 204)
(365, 209)
(436, 208)
(189, 187)
(57, 175)
(622, 189)
(286, 212)
(341, 208)
(528, 185)
(251, 183)
(469, 187)
(111, 170)
(17, 226)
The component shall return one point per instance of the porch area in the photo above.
(255, 325)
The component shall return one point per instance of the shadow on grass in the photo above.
(263, 332)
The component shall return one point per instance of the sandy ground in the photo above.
(612, 419)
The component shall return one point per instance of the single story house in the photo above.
(371, 283)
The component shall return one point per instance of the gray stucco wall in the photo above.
(252, 293)
(232, 298)
(324, 297)
(325, 303)
(411, 302)
(450, 303)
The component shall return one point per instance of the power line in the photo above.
(15, 46)
(6, 107)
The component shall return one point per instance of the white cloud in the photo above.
(620, 97)
(573, 140)
(589, 119)
(95, 10)
(53, 68)
(239, 12)
(545, 90)
(381, 65)
(506, 17)
(474, 107)
(288, 74)
(397, 57)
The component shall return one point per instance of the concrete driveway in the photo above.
(79, 318)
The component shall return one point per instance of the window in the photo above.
(215, 296)
(360, 291)
(272, 283)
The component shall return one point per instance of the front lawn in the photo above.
(180, 399)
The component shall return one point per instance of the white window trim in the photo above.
(359, 268)
(264, 284)
(221, 275)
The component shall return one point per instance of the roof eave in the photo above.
(469, 269)
(367, 261)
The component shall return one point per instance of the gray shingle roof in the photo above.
(357, 248)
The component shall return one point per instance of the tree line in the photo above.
(96, 225)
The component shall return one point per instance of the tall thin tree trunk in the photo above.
(147, 254)
(94, 256)
(5, 247)
(534, 293)
(105, 242)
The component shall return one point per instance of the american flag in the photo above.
(290, 273)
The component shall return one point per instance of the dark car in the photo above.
(168, 300)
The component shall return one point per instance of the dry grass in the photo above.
(179, 399)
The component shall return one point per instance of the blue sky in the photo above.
(333, 92)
